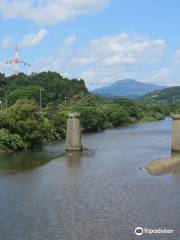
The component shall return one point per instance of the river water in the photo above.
(103, 193)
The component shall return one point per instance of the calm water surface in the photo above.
(101, 194)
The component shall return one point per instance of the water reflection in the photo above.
(28, 160)
(74, 158)
(20, 163)
(165, 166)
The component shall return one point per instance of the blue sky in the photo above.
(101, 41)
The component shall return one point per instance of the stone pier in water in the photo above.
(73, 134)
(176, 133)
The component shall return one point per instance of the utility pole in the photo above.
(6, 100)
(40, 98)
(174, 99)
(65, 100)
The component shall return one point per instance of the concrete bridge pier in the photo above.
(176, 133)
(73, 134)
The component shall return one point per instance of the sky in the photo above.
(100, 41)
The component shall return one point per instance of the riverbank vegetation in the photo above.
(25, 124)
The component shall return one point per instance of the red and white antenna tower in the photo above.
(17, 61)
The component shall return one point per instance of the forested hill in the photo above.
(54, 87)
(167, 95)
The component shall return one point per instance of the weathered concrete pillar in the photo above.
(176, 133)
(73, 134)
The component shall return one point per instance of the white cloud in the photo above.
(110, 58)
(51, 63)
(176, 60)
(100, 76)
(140, 59)
(123, 49)
(70, 40)
(7, 42)
(161, 73)
(49, 12)
(33, 39)
(107, 59)
(86, 59)
(160, 76)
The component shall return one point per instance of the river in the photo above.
(103, 193)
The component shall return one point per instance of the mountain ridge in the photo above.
(167, 95)
(127, 88)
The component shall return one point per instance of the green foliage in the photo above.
(98, 113)
(92, 119)
(170, 95)
(24, 119)
(30, 92)
(10, 142)
(132, 107)
(59, 120)
(116, 115)
(92, 116)
(23, 126)
(55, 87)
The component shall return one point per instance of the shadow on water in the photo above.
(164, 166)
(28, 160)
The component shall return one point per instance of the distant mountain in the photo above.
(127, 88)
(167, 95)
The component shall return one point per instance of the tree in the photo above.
(56, 88)
(24, 119)
(92, 119)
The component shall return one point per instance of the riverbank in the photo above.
(23, 126)
(163, 166)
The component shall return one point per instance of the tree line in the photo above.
(23, 124)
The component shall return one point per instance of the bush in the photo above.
(26, 126)
(59, 120)
(24, 119)
(12, 142)
(92, 119)
(116, 115)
